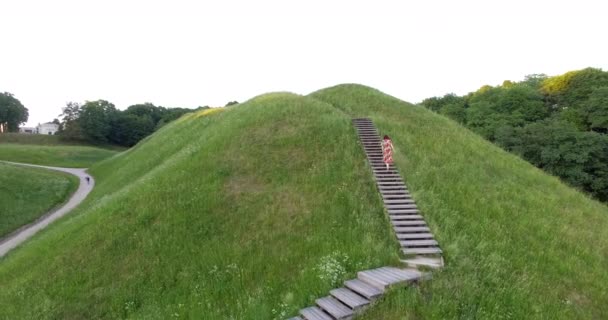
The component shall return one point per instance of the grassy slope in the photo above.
(517, 242)
(55, 155)
(247, 213)
(27, 193)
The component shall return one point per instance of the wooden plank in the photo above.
(408, 223)
(373, 280)
(407, 236)
(314, 313)
(394, 196)
(418, 243)
(403, 274)
(364, 289)
(349, 298)
(424, 261)
(401, 206)
(411, 229)
(406, 217)
(390, 278)
(335, 308)
(421, 251)
(402, 211)
(396, 191)
(398, 201)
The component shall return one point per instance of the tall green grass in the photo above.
(28, 193)
(247, 213)
(56, 155)
(518, 244)
(254, 211)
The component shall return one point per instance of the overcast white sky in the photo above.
(191, 53)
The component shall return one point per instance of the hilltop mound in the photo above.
(248, 212)
(253, 211)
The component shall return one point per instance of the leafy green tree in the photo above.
(596, 110)
(12, 113)
(580, 158)
(573, 88)
(96, 118)
(128, 128)
(70, 128)
(456, 111)
(231, 103)
(534, 81)
(437, 103)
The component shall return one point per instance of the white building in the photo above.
(47, 128)
(30, 130)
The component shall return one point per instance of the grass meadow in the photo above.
(54, 155)
(28, 193)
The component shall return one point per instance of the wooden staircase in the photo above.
(416, 240)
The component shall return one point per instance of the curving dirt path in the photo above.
(19, 236)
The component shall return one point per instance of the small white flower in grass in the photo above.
(331, 267)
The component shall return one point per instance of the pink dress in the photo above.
(387, 151)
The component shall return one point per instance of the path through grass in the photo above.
(56, 156)
(28, 193)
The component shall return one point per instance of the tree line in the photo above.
(97, 122)
(100, 122)
(559, 124)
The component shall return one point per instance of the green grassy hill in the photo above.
(247, 213)
(518, 243)
(28, 193)
(253, 211)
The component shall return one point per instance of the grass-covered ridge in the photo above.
(54, 155)
(250, 212)
(253, 211)
(518, 243)
(27, 193)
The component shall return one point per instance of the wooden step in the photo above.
(418, 243)
(314, 313)
(394, 190)
(403, 190)
(406, 217)
(424, 261)
(364, 289)
(335, 308)
(400, 206)
(411, 230)
(409, 236)
(395, 196)
(349, 298)
(421, 251)
(402, 211)
(408, 274)
(388, 182)
(384, 171)
(374, 279)
(398, 201)
(408, 223)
